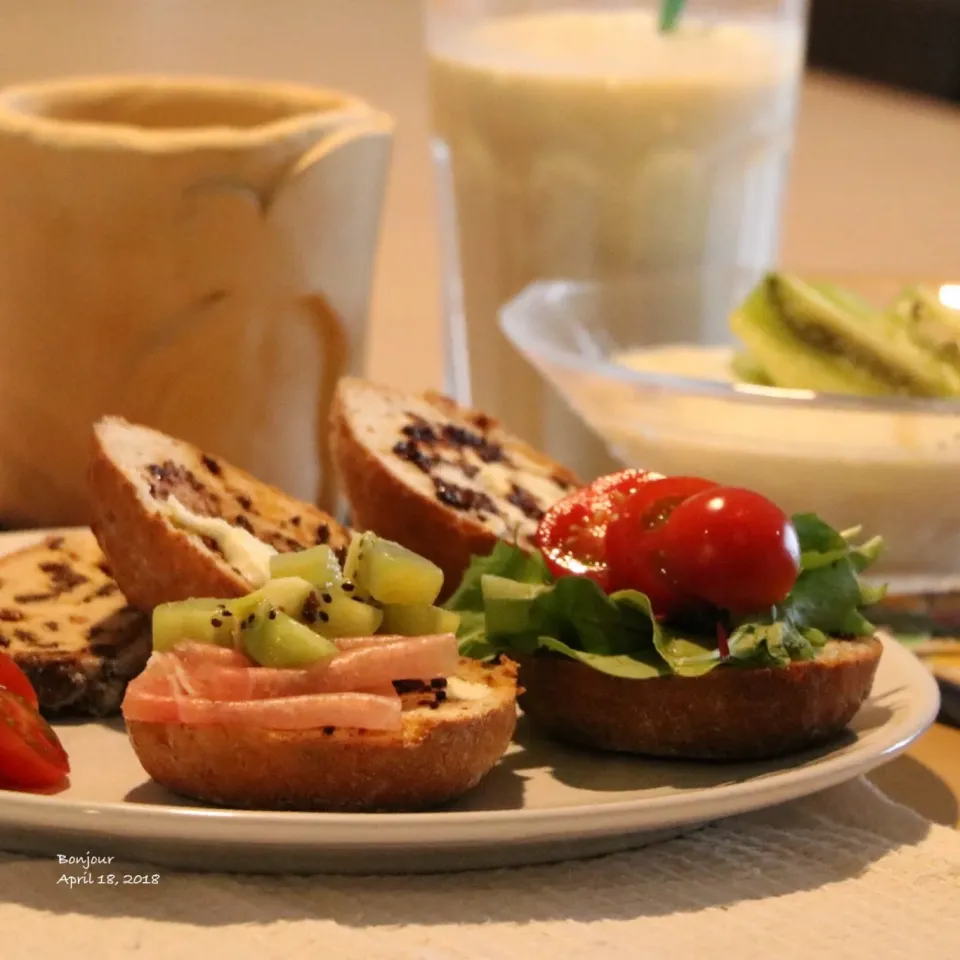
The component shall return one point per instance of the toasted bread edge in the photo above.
(728, 714)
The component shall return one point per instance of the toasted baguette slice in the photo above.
(441, 752)
(728, 714)
(133, 472)
(442, 480)
(68, 627)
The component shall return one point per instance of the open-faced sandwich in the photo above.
(660, 616)
(294, 665)
(675, 617)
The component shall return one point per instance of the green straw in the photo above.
(670, 11)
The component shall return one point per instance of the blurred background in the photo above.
(914, 44)
(867, 172)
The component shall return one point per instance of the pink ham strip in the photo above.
(193, 654)
(150, 707)
(355, 710)
(354, 643)
(364, 668)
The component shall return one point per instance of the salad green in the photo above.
(510, 603)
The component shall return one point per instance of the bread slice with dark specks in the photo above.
(135, 470)
(66, 624)
(443, 751)
(444, 481)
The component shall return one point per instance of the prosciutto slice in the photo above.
(204, 684)
(362, 668)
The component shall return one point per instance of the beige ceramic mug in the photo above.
(192, 254)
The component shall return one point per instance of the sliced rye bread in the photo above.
(67, 625)
(444, 749)
(445, 481)
(134, 470)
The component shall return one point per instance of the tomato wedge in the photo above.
(31, 755)
(13, 679)
(572, 532)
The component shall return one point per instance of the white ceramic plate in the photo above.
(543, 802)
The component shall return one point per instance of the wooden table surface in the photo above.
(927, 777)
(873, 185)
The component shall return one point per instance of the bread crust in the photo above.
(153, 561)
(727, 714)
(439, 755)
(382, 502)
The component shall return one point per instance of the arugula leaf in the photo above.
(820, 544)
(505, 561)
(635, 667)
(866, 554)
(828, 592)
(472, 636)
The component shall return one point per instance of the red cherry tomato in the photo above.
(31, 755)
(571, 534)
(732, 548)
(12, 678)
(636, 539)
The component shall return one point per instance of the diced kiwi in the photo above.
(391, 573)
(287, 594)
(274, 639)
(207, 621)
(351, 563)
(418, 619)
(318, 565)
(334, 613)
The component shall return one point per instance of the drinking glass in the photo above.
(574, 140)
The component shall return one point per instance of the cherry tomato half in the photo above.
(733, 548)
(12, 678)
(31, 755)
(636, 540)
(571, 534)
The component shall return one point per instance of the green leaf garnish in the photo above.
(509, 603)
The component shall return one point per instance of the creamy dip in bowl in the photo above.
(889, 464)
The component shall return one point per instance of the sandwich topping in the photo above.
(318, 645)
(639, 576)
(249, 556)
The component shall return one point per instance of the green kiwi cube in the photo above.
(391, 573)
(274, 639)
(287, 594)
(318, 565)
(334, 613)
(418, 619)
(201, 620)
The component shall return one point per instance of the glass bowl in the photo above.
(891, 465)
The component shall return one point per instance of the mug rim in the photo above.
(317, 107)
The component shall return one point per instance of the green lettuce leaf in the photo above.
(828, 592)
(637, 667)
(505, 561)
(509, 603)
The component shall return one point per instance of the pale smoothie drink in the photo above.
(582, 143)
